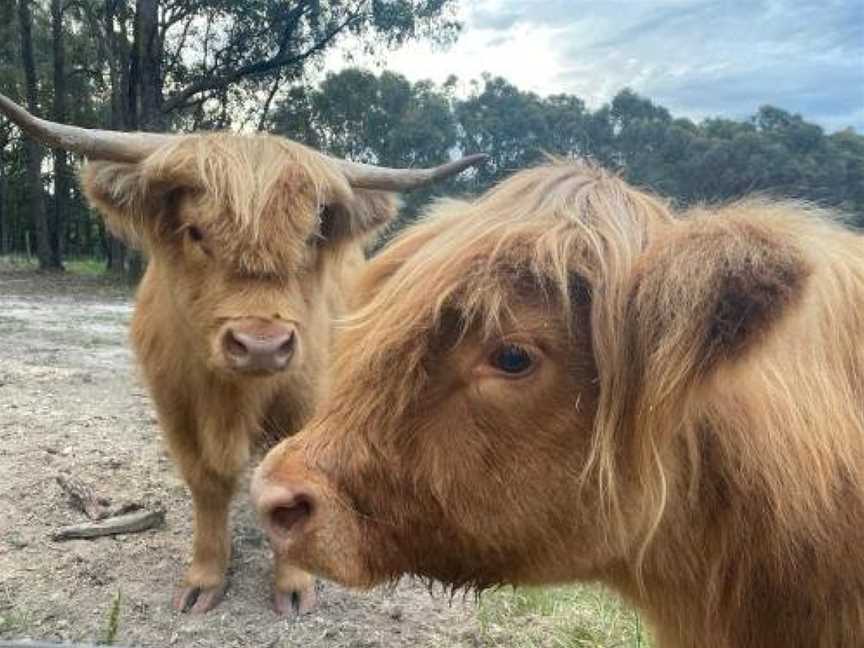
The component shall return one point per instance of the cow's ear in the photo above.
(709, 290)
(132, 204)
(358, 216)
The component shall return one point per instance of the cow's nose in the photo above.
(259, 347)
(282, 508)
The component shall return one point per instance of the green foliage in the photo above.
(218, 53)
(509, 125)
(383, 120)
(387, 120)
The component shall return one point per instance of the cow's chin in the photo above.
(229, 372)
(356, 556)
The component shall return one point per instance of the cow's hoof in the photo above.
(197, 600)
(295, 602)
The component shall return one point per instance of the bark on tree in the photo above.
(57, 225)
(145, 90)
(149, 53)
(4, 212)
(117, 55)
(129, 70)
(32, 151)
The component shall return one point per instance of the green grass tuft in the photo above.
(17, 262)
(560, 617)
(113, 624)
(15, 622)
(86, 267)
(83, 267)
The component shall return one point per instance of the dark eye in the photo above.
(195, 234)
(327, 225)
(511, 359)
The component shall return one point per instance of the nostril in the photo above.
(285, 517)
(234, 345)
(287, 347)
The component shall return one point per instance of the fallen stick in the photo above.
(129, 523)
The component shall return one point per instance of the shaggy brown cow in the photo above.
(251, 242)
(564, 381)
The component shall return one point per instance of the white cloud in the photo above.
(523, 53)
(696, 57)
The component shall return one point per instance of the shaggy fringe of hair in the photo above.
(239, 172)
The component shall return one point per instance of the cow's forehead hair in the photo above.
(244, 172)
(544, 226)
(259, 197)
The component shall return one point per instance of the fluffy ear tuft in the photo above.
(364, 214)
(711, 289)
(129, 202)
(755, 286)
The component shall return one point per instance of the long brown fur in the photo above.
(694, 436)
(235, 227)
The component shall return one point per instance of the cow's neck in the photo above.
(699, 547)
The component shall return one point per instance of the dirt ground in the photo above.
(70, 403)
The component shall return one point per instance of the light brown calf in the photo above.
(253, 241)
(564, 381)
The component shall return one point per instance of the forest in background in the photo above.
(187, 65)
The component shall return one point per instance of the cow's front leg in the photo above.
(294, 589)
(204, 584)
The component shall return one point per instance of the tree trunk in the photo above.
(5, 222)
(32, 152)
(111, 51)
(145, 89)
(130, 82)
(57, 225)
(149, 54)
(118, 70)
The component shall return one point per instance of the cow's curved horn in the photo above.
(97, 144)
(366, 176)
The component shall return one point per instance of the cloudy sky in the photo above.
(696, 57)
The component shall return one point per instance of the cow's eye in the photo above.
(512, 360)
(194, 234)
(327, 224)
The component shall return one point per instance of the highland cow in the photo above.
(252, 243)
(566, 381)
